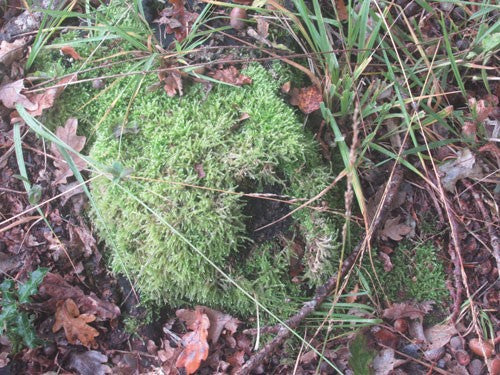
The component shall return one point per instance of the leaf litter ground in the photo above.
(79, 308)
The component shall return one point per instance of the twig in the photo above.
(326, 289)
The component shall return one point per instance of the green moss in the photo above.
(176, 136)
(417, 274)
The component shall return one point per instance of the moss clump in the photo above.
(417, 274)
(198, 139)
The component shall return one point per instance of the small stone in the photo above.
(412, 350)
(475, 367)
(456, 343)
(481, 349)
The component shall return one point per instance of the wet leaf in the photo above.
(308, 99)
(75, 324)
(232, 76)
(172, 81)
(195, 342)
(89, 363)
(394, 230)
(67, 134)
(70, 51)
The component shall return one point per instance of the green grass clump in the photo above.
(417, 274)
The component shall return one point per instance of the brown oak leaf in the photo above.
(232, 76)
(195, 342)
(308, 99)
(75, 324)
(394, 230)
(47, 98)
(67, 134)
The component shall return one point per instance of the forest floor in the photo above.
(63, 311)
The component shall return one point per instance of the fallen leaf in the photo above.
(407, 310)
(386, 261)
(262, 27)
(464, 166)
(172, 82)
(176, 19)
(218, 323)
(89, 363)
(70, 51)
(10, 95)
(198, 167)
(439, 335)
(385, 337)
(81, 236)
(10, 52)
(195, 342)
(75, 324)
(308, 99)
(394, 230)
(54, 286)
(47, 98)
(384, 363)
(341, 10)
(232, 76)
(67, 134)
(236, 360)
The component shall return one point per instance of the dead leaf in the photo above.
(394, 230)
(262, 27)
(195, 342)
(285, 89)
(81, 236)
(464, 166)
(232, 76)
(54, 286)
(384, 363)
(10, 95)
(407, 310)
(386, 261)
(308, 99)
(218, 323)
(385, 337)
(67, 134)
(236, 360)
(172, 82)
(341, 10)
(176, 19)
(70, 51)
(198, 167)
(47, 98)
(75, 324)
(10, 52)
(89, 363)
(439, 335)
